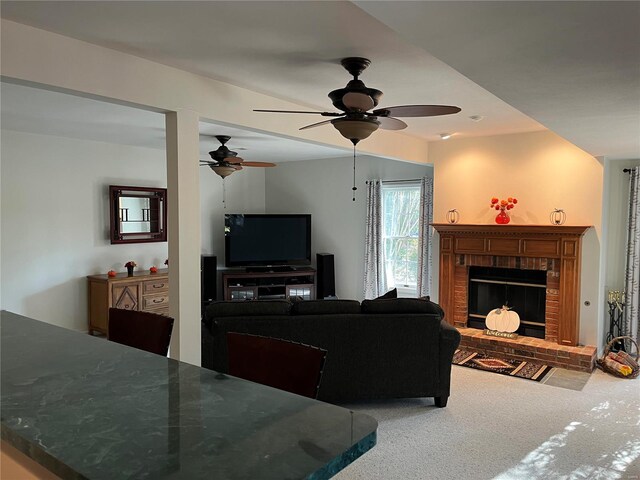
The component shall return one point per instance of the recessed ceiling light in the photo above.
(445, 136)
(476, 118)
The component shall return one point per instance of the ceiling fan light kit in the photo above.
(355, 130)
(223, 172)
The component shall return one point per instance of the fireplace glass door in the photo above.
(524, 291)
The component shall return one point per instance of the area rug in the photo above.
(504, 366)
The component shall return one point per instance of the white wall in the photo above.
(55, 218)
(323, 189)
(55, 221)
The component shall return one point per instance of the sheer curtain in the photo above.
(374, 275)
(424, 246)
(632, 276)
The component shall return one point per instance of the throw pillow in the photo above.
(390, 294)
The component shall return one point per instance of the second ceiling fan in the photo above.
(224, 161)
(355, 121)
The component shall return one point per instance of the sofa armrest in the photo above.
(449, 341)
(449, 335)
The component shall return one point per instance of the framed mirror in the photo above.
(138, 214)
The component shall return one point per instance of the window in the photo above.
(400, 232)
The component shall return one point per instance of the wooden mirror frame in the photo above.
(156, 215)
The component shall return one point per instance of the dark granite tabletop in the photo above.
(85, 407)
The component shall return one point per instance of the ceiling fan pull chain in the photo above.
(224, 194)
(354, 188)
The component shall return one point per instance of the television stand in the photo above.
(270, 284)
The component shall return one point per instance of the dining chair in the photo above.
(282, 364)
(143, 330)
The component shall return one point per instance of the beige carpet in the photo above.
(497, 427)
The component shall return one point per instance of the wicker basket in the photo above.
(601, 364)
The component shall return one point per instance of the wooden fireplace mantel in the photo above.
(537, 241)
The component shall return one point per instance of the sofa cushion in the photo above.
(248, 308)
(390, 294)
(401, 305)
(325, 307)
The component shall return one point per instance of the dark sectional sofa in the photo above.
(386, 348)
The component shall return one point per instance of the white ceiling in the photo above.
(574, 66)
(571, 65)
(32, 110)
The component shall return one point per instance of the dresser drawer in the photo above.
(152, 302)
(155, 286)
(160, 310)
(125, 296)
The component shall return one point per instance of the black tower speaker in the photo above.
(208, 279)
(326, 286)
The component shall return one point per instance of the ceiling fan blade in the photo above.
(358, 101)
(390, 123)
(237, 167)
(234, 159)
(258, 164)
(416, 110)
(324, 114)
(315, 125)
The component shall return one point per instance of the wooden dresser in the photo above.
(144, 291)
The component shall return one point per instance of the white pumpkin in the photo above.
(492, 318)
(503, 320)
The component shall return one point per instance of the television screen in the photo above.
(265, 239)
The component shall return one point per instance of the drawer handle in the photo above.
(161, 285)
(158, 300)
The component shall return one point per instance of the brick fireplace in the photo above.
(555, 250)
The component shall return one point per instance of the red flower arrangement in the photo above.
(503, 206)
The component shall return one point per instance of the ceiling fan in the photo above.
(355, 121)
(224, 161)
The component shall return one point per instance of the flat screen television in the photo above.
(267, 239)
